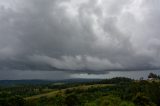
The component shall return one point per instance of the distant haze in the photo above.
(61, 75)
(69, 38)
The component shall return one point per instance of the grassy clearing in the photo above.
(54, 92)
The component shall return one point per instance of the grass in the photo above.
(54, 92)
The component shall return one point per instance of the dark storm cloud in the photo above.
(79, 36)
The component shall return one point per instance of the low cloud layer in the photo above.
(90, 36)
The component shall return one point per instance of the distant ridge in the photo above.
(37, 81)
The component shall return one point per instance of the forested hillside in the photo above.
(110, 92)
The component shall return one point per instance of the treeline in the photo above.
(119, 91)
(123, 93)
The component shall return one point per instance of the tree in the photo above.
(72, 100)
(142, 100)
(152, 75)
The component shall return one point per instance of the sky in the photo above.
(66, 38)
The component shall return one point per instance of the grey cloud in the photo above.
(28, 74)
(77, 36)
(76, 63)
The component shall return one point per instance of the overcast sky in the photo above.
(78, 36)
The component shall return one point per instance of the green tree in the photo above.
(72, 100)
(152, 75)
(142, 100)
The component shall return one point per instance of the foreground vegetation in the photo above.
(110, 92)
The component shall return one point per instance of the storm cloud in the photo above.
(90, 36)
